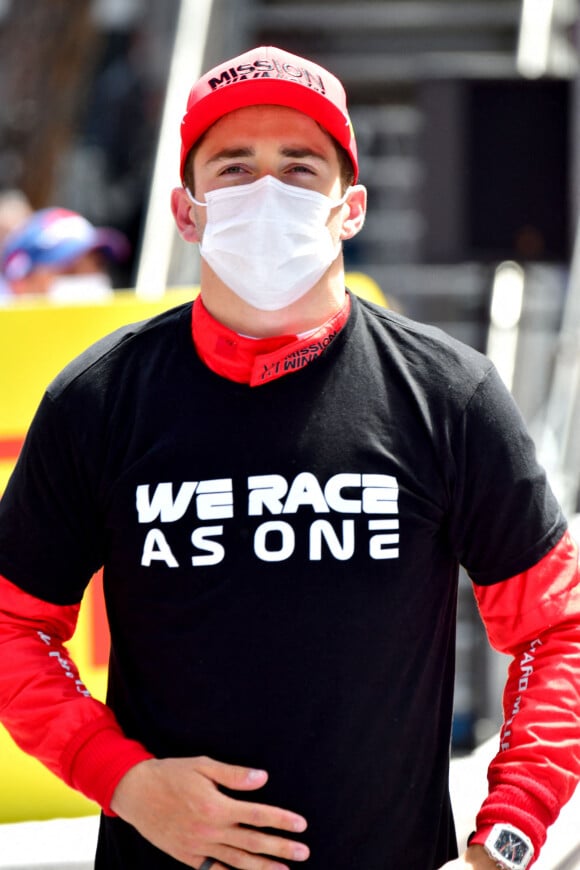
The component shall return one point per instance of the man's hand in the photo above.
(474, 858)
(176, 804)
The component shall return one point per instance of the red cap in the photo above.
(268, 76)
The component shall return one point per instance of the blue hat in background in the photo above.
(53, 237)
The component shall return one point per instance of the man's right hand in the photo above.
(176, 804)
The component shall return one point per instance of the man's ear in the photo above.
(182, 209)
(357, 204)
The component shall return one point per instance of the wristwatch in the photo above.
(509, 847)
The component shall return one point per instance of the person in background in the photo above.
(281, 481)
(59, 254)
(15, 209)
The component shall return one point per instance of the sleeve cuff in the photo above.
(511, 803)
(98, 757)
(478, 838)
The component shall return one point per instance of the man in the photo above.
(281, 482)
(60, 254)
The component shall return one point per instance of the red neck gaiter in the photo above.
(256, 361)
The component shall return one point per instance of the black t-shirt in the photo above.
(281, 562)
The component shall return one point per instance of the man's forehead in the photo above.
(291, 129)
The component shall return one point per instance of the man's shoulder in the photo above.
(419, 342)
(132, 340)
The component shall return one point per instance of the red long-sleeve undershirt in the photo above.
(46, 707)
(534, 617)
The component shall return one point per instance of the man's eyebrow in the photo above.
(301, 153)
(230, 154)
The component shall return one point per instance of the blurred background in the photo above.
(467, 115)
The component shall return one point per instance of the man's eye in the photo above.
(307, 170)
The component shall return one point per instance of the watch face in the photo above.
(511, 847)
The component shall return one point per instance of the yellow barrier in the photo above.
(36, 342)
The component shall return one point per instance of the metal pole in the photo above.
(186, 66)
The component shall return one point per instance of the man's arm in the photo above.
(45, 705)
(175, 803)
(535, 617)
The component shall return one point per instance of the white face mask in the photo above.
(88, 287)
(268, 241)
